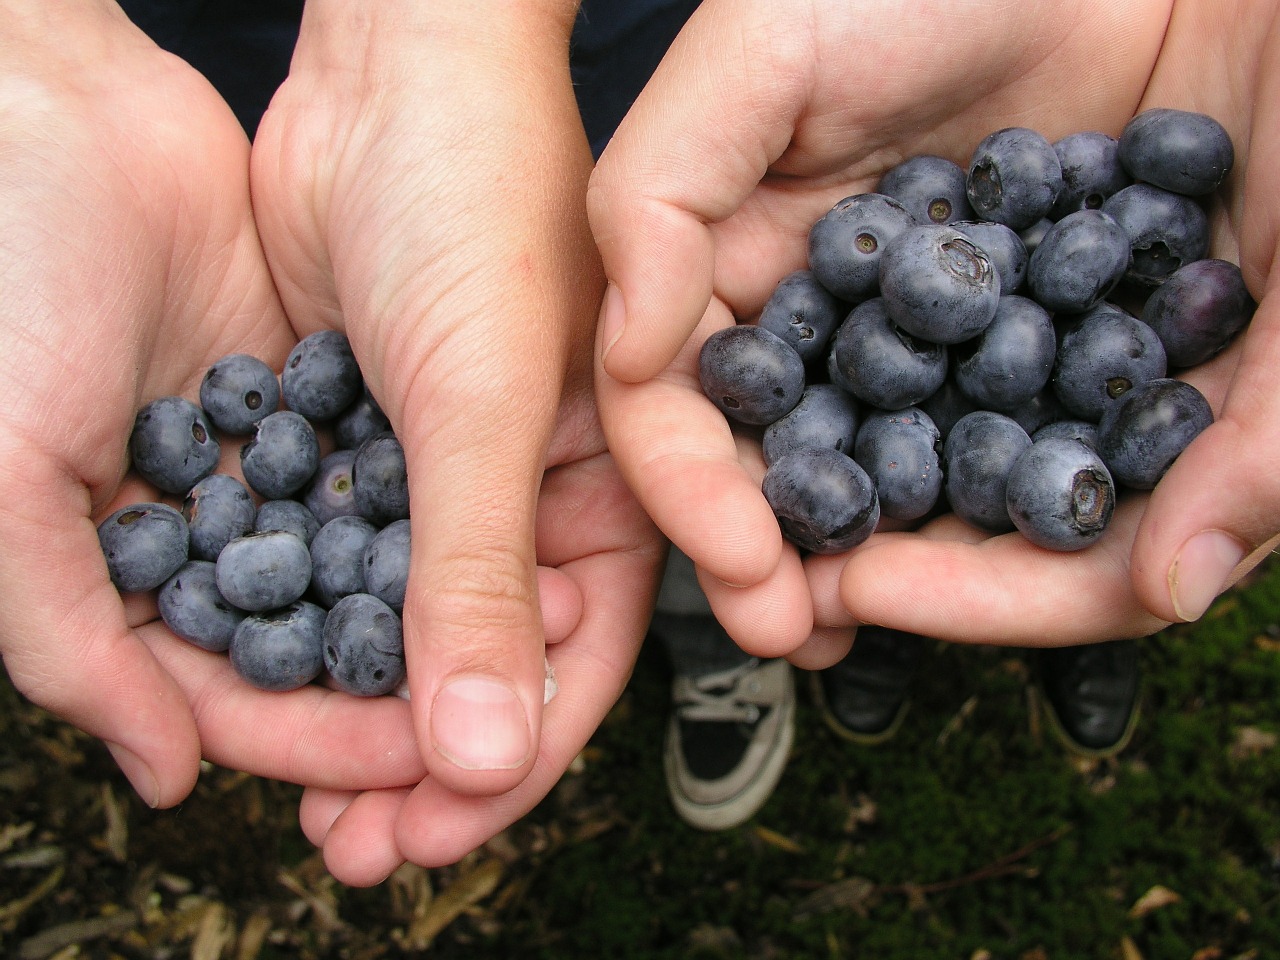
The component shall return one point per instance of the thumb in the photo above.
(474, 642)
(693, 147)
(68, 646)
(1213, 516)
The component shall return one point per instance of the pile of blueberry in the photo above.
(999, 341)
(299, 570)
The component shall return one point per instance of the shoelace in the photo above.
(715, 697)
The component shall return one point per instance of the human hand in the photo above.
(130, 263)
(797, 109)
(418, 182)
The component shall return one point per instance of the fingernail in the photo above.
(138, 773)
(480, 724)
(612, 319)
(1201, 571)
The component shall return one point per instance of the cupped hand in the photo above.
(418, 182)
(130, 262)
(754, 125)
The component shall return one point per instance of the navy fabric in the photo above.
(244, 47)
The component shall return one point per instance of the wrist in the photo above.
(384, 37)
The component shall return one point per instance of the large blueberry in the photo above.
(193, 607)
(899, 451)
(1091, 171)
(1142, 434)
(752, 375)
(282, 456)
(238, 391)
(386, 564)
(218, 509)
(1103, 353)
(803, 313)
(977, 456)
(1010, 361)
(280, 650)
(932, 188)
(1080, 260)
(845, 246)
(1180, 150)
(144, 544)
(172, 444)
(825, 503)
(883, 365)
(364, 646)
(1166, 230)
(1060, 494)
(938, 284)
(1198, 310)
(380, 480)
(337, 558)
(321, 378)
(1014, 177)
(263, 571)
(826, 416)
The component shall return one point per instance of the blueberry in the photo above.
(360, 421)
(321, 378)
(218, 509)
(825, 503)
(881, 364)
(330, 493)
(280, 650)
(1014, 177)
(386, 564)
(144, 544)
(946, 406)
(291, 516)
(932, 188)
(1166, 230)
(1091, 172)
(364, 646)
(1005, 248)
(237, 392)
(899, 451)
(752, 375)
(1140, 436)
(193, 607)
(172, 444)
(337, 558)
(1198, 310)
(1179, 150)
(1060, 494)
(1086, 431)
(826, 416)
(802, 312)
(264, 571)
(1079, 262)
(1101, 354)
(380, 481)
(977, 456)
(1032, 236)
(1010, 361)
(846, 244)
(282, 456)
(938, 285)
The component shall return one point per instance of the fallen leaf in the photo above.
(775, 839)
(1129, 950)
(852, 893)
(1251, 742)
(1153, 899)
(467, 890)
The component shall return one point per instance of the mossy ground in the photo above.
(971, 835)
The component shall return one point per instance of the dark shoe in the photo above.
(864, 697)
(1090, 694)
(728, 740)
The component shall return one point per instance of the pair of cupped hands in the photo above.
(530, 324)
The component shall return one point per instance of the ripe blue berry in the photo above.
(237, 392)
(752, 375)
(218, 509)
(977, 456)
(1142, 434)
(193, 607)
(172, 444)
(321, 378)
(938, 285)
(264, 571)
(803, 314)
(364, 646)
(282, 456)
(1179, 150)
(1014, 177)
(280, 650)
(845, 246)
(380, 481)
(899, 451)
(825, 503)
(1060, 494)
(144, 544)
(881, 364)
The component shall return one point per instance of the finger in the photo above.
(991, 590)
(561, 603)
(313, 736)
(70, 649)
(359, 844)
(319, 808)
(825, 647)
(438, 826)
(653, 194)
(678, 454)
(769, 619)
(1212, 516)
